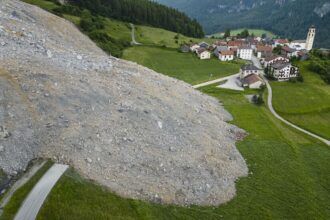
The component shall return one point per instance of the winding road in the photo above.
(32, 204)
(256, 62)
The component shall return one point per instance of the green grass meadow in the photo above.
(305, 104)
(160, 37)
(47, 5)
(183, 66)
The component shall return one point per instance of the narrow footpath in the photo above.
(32, 204)
(134, 42)
(19, 183)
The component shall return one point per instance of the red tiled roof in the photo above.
(282, 41)
(227, 52)
(252, 78)
(235, 43)
(262, 48)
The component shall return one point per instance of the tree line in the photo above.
(143, 12)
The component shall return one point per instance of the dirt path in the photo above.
(37, 196)
(134, 42)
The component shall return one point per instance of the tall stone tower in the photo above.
(310, 38)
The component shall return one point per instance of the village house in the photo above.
(244, 52)
(194, 47)
(264, 51)
(226, 55)
(288, 52)
(282, 71)
(184, 49)
(204, 45)
(249, 69)
(219, 49)
(219, 43)
(203, 54)
(252, 81)
(234, 44)
(280, 42)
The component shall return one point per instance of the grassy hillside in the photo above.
(288, 178)
(47, 5)
(186, 67)
(256, 32)
(305, 104)
(160, 37)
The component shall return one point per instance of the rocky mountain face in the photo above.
(142, 134)
(288, 18)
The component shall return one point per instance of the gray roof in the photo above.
(244, 47)
(299, 41)
(249, 67)
(203, 44)
(250, 79)
(222, 48)
(280, 65)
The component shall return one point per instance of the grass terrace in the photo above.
(183, 66)
(160, 37)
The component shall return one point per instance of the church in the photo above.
(304, 44)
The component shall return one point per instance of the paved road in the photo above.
(256, 62)
(270, 106)
(214, 81)
(24, 179)
(37, 196)
(134, 42)
(232, 83)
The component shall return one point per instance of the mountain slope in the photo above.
(289, 18)
(63, 98)
(143, 12)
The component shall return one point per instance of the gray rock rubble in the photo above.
(142, 134)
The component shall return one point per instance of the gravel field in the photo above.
(142, 134)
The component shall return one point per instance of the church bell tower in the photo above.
(310, 38)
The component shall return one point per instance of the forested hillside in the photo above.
(288, 18)
(143, 12)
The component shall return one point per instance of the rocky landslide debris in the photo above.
(142, 134)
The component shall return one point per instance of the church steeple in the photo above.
(310, 38)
